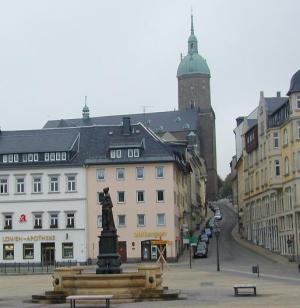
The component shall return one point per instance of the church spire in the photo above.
(192, 42)
(85, 110)
(192, 23)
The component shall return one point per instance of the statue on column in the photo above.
(107, 215)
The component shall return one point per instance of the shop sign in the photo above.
(31, 238)
(155, 234)
(161, 242)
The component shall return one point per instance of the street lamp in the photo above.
(217, 234)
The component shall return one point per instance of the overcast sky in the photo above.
(124, 55)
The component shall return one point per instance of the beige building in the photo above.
(271, 173)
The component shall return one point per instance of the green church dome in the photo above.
(192, 63)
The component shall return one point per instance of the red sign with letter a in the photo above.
(23, 218)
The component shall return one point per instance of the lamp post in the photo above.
(217, 234)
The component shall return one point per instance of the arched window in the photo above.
(286, 166)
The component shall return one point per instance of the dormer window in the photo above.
(130, 152)
(112, 154)
(119, 153)
(36, 157)
(64, 156)
(24, 158)
(136, 152)
(30, 157)
(4, 158)
(16, 158)
(52, 156)
(58, 156)
(10, 158)
(46, 156)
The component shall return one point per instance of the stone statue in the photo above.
(107, 215)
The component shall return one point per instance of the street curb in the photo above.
(260, 250)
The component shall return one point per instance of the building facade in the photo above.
(271, 166)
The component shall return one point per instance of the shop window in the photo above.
(8, 251)
(140, 173)
(71, 183)
(28, 251)
(120, 173)
(160, 196)
(140, 196)
(3, 186)
(159, 172)
(67, 250)
(121, 196)
(8, 221)
(53, 220)
(100, 173)
(70, 220)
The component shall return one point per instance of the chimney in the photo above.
(239, 120)
(261, 94)
(126, 129)
(278, 94)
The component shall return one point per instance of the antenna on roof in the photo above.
(144, 112)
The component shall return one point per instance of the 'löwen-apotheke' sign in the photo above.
(31, 238)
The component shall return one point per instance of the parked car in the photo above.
(208, 232)
(204, 238)
(201, 250)
(218, 215)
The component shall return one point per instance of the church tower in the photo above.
(193, 76)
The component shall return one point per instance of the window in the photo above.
(285, 137)
(71, 183)
(159, 172)
(37, 219)
(112, 154)
(277, 167)
(46, 156)
(24, 158)
(121, 220)
(140, 173)
(37, 185)
(286, 166)
(298, 101)
(136, 152)
(64, 156)
(121, 196)
(275, 140)
(100, 173)
(28, 251)
(10, 158)
(141, 220)
(57, 156)
(20, 185)
(54, 184)
(8, 221)
(54, 220)
(118, 153)
(161, 219)
(298, 129)
(130, 152)
(4, 158)
(3, 186)
(120, 173)
(8, 251)
(160, 196)
(99, 221)
(70, 220)
(52, 156)
(140, 196)
(16, 158)
(36, 157)
(30, 157)
(67, 250)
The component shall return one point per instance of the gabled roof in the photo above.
(172, 121)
